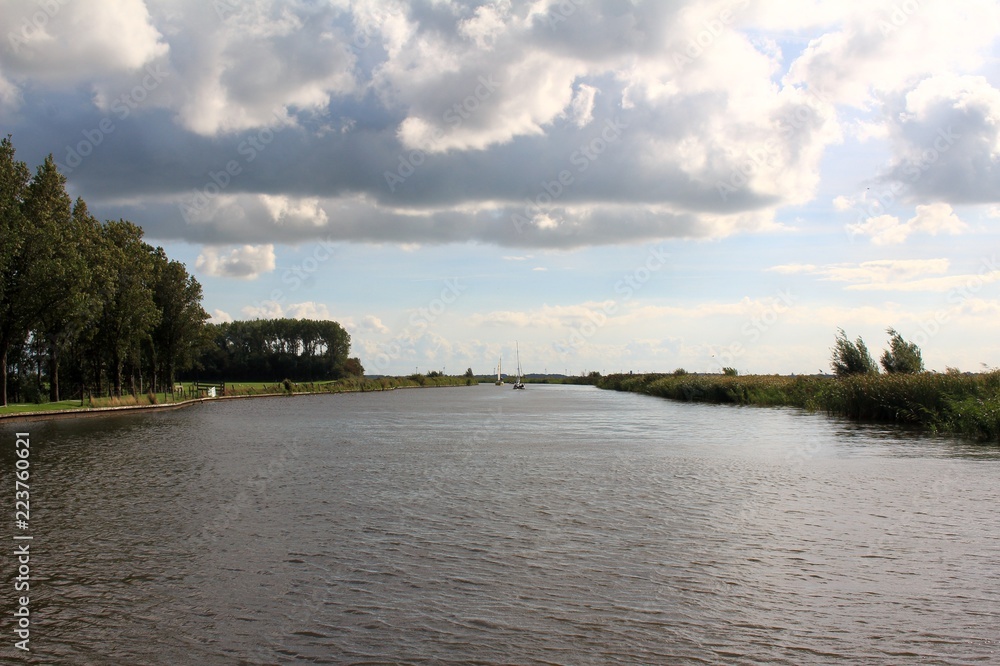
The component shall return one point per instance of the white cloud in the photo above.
(582, 106)
(945, 140)
(285, 210)
(937, 218)
(725, 119)
(308, 310)
(548, 316)
(220, 317)
(900, 275)
(372, 324)
(248, 65)
(264, 310)
(488, 22)
(884, 271)
(247, 262)
(75, 42)
(932, 219)
(275, 310)
(885, 48)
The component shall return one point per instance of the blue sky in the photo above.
(614, 185)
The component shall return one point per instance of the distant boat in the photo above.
(518, 384)
(499, 363)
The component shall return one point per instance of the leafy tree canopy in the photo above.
(851, 358)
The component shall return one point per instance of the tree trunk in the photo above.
(3, 362)
(117, 390)
(53, 372)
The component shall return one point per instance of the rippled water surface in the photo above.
(556, 525)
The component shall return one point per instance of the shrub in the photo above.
(901, 356)
(851, 358)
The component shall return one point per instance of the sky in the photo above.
(613, 185)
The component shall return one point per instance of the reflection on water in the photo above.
(556, 525)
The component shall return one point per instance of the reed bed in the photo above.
(963, 404)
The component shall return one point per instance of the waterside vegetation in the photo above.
(959, 403)
(189, 392)
(962, 404)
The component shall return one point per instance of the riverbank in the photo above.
(156, 402)
(962, 404)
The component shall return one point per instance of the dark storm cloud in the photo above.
(563, 125)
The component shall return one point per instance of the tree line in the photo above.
(88, 308)
(303, 349)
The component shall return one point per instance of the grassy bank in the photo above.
(966, 405)
(286, 387)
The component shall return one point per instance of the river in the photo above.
(555, 525)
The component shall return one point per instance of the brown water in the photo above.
(556, 525)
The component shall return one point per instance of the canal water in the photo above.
(555, 525)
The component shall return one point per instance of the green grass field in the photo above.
(247, 389)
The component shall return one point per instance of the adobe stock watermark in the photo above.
(958, 297)
(420, 321)
(361, 39)
(33, 26)
(122, 107)
(625, 288)
(297, 276)
(248, 149)
(752, 163)
(912, 171)
(561, 12)
(898, 17)
(581, 158)
(758, 158)
(753, 330)
(455, 116)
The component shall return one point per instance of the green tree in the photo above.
(851, 358)
(176, 339)
(901, 356)
(353, 367)
(62, 275)
(42, 274)
(15, 321)
(308, 350)
(129, 311)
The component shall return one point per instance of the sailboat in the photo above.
(518, 384)
(499, 363)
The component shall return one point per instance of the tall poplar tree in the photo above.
(129, 312)
(60, 276)
(177, 338)
(15, 256)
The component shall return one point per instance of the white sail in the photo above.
(518, 384)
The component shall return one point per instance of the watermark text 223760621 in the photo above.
(22, 549)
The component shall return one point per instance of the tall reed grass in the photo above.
(968, 405)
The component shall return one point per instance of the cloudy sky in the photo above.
(615, 185)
